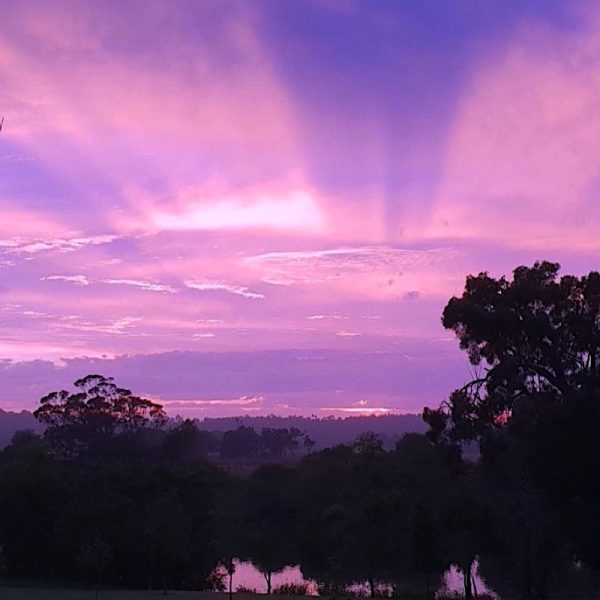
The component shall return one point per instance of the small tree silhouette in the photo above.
(94, 558)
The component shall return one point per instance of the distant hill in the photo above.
(13, 421)
(325, 432)
(328, 431)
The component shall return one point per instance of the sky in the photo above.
(262, 206)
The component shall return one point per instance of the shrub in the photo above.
(217, 579)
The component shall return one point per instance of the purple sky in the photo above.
(263, 206)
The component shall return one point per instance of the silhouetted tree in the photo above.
(271, 520)
(469, 530)
(532, 337)
(186, 442)
(32, 493)
(428, 558)
(98, 410)
(167, 531)
(309, 444)
(535, 343)
(242, 442)
(232, 528)
(368, 443)
(94, 558)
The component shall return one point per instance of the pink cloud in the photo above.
(75, 279)
(151, 286)
(20, 224)
(59, 244)
(216, 206)
(371, 272)
(181, 104)
(24, 350)
(219, 286)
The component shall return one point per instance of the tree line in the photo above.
(108, 496)
(117, 506)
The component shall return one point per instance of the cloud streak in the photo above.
(216, 286)
(143, 285)
(75, 279)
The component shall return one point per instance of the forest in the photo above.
(112, 495)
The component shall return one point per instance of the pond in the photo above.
(248, 576)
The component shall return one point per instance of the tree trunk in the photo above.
(372, 586)
(527, 576)
(332, 591)
(467, 581)
(231, 585)
(542, 587)
(268, 580)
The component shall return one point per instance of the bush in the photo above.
(217, 579)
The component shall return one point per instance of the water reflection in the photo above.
(453, 582)
(249, 577)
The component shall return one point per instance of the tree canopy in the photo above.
(535, 337)
(533, 405)
(98, 408)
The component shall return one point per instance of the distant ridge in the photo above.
(325, 432)
(16, 421)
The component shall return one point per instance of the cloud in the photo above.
(144, 285)
(241, 401)
(18, 223)
(54, 354)
(116, 327)
(216, 286)
(17, 246)
(304, 381)
(330, 263)
(361, 410)
(167, 130)
(362, 271)
(76, 279)
(285, 210)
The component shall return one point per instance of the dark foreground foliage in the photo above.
(108, 496)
